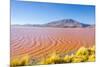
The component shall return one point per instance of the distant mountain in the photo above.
(64, 23)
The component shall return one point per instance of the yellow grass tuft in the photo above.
(81, 55)
(67, 58)
(91, 58)
(53, 59)
(82, 52)
(20, 61)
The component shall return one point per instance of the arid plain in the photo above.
(39, 42)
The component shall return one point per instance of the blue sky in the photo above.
(41, 13)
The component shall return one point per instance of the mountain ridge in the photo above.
(63, 23)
